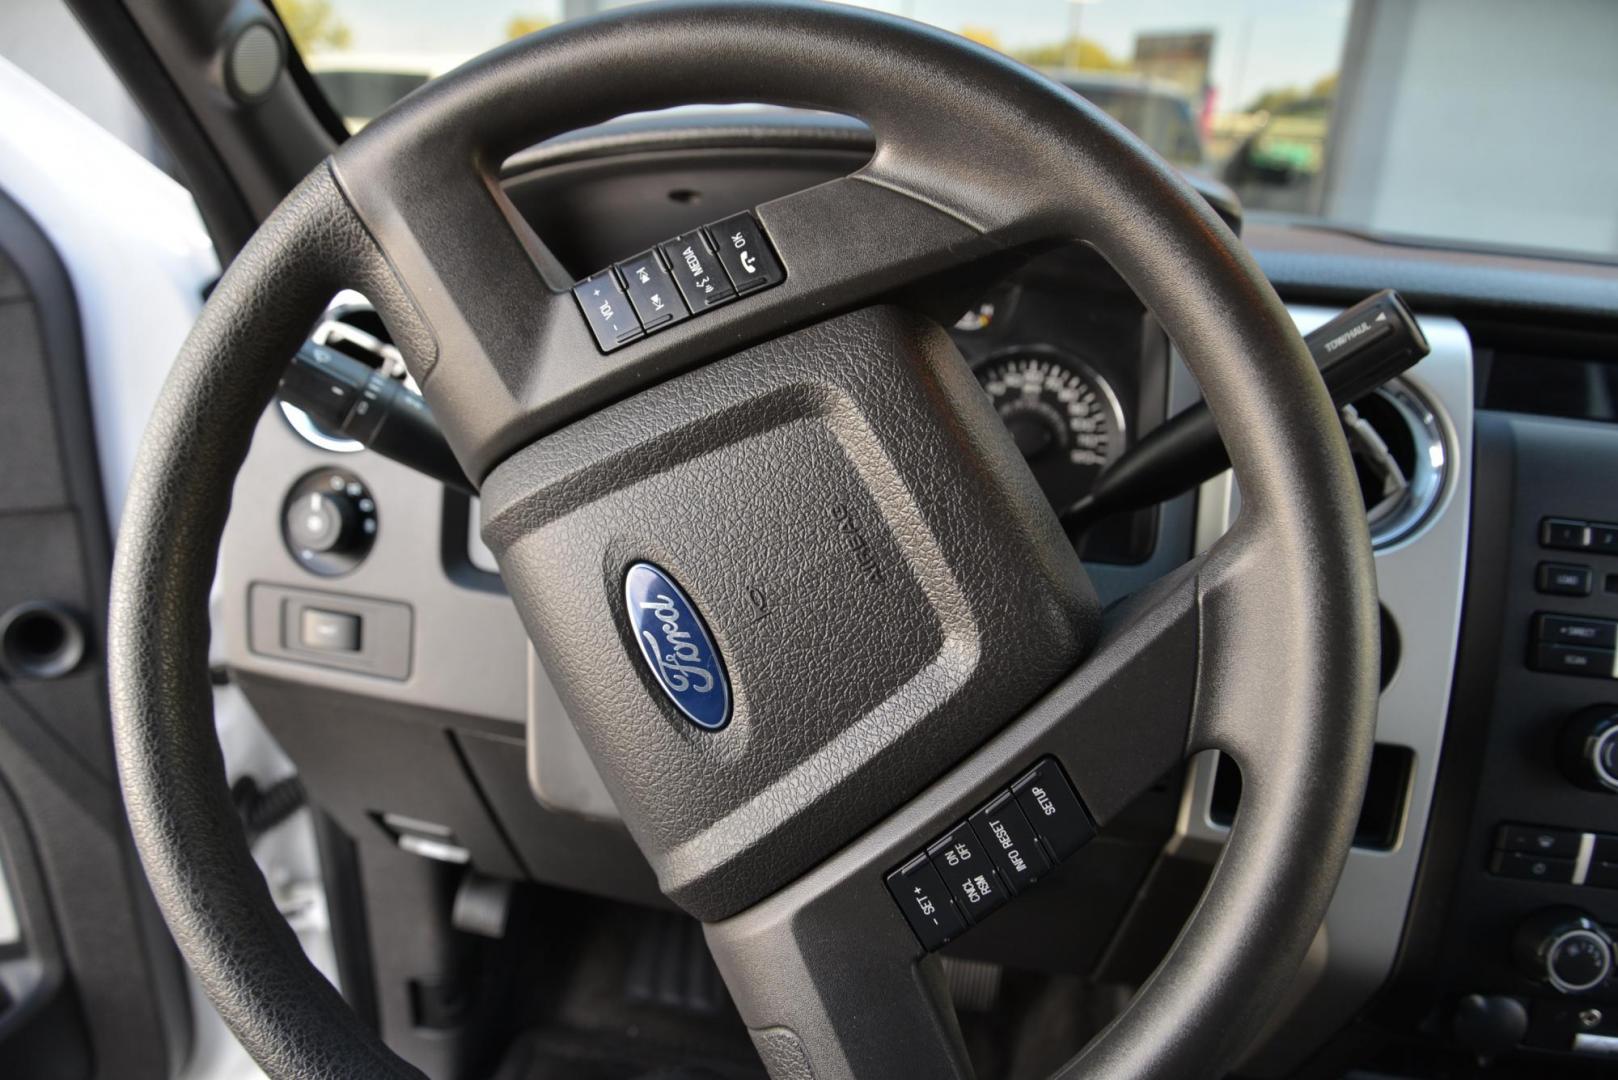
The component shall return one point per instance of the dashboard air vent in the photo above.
(1400, 456)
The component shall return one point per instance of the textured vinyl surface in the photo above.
(885, 582)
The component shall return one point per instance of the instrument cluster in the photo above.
(1065, 354)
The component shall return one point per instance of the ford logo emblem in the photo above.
(681, 656)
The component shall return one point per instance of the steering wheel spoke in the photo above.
(831, 980)
(514, 355)
(832, 983)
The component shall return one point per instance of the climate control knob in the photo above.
(1589, 748)
(1565, 949)
(329, 521)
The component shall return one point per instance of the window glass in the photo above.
(1480, 121)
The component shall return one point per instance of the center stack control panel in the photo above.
(1529, 930)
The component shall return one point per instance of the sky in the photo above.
(1258, 44)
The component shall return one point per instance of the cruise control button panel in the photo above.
(998, 852)
(677, 279)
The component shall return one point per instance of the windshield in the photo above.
(1424, 119)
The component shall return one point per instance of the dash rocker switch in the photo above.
(921, 895)
(968, 873)
(329, 631)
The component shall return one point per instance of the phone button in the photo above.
(744, 253)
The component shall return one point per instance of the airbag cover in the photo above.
(872, 559)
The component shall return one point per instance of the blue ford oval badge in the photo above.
(676, 646)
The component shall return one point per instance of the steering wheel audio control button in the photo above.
(677, 279)
(964, 864)
(607, 310)
(921, 895)
(1011, 842)
(744, 253)
(697, 271)
(654, 294)
(1053, 808)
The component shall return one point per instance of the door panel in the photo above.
(90, 985)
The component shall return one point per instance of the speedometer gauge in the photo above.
(1062, 415)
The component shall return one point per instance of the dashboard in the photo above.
(435, 728)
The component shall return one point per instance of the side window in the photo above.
(45, 42)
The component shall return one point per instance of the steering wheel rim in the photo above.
(1280, 617)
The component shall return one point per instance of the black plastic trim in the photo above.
(785, 129)
(345, 906)
(224, 208)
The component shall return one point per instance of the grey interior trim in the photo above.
(1421, 580)
(477, 552)
(480, 651)
(1427, 480)
(10, 930)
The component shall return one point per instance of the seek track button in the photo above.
(652, 291)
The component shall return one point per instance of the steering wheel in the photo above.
(901, 625)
